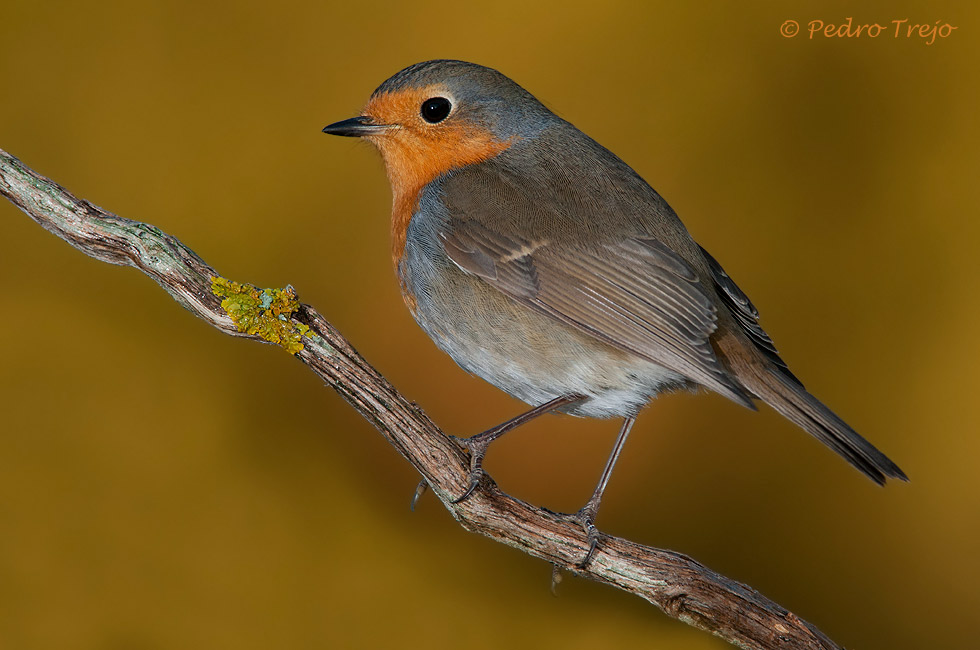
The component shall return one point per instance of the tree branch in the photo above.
(681, 587)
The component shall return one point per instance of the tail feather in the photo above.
(749, 353)
(803, 409)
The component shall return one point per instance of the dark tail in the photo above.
(775, 386)
(803, 409)
(750, 355)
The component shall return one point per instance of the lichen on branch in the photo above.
(265, 313)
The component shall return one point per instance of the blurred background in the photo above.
(152, 493)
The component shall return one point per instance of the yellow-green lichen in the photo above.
(263, 312)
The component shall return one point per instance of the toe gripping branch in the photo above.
(477, 447)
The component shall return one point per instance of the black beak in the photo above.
(356, 127)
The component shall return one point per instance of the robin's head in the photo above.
(437, 116)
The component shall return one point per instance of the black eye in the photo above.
(436, 109)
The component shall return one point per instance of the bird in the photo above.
(544, 264)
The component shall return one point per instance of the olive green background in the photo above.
(165, 486)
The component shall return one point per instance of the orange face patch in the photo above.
(416, 152)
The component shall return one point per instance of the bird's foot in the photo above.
(586, 518)
(477, 446)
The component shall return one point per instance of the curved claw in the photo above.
(475, 477)
(555, 579)
(591, 534)
(419, 491)
(477, 447)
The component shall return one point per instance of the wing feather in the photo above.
(633, 293)
(746, 315)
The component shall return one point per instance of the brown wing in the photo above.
(632, 292)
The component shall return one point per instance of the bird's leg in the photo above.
(477, 445)
(587, 514)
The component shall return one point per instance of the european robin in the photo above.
(541, 262)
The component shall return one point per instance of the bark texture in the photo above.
(680, 586)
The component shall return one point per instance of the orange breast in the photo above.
(417, 153)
